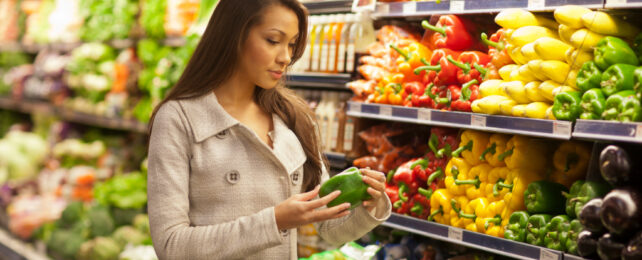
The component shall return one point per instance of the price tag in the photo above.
(638, 132)
(615, 2)
(457, 5)
(548, 255)
(561, 128)
(363, 5)
(536, 4)
(385, 110)
(355, 107)
(478, 120)
(455, 233)
(424, 115)
(410, 8)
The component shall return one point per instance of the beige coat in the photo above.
(213, 185)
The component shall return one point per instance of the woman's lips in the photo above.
(276, 74)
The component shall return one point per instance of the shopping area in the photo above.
(506, 129)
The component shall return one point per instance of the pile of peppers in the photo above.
(609, 86)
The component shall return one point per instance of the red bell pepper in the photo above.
(424, 100)
(452, 33)
(406, 179)
(469, 92)
(393, 193)
(471, 65)
(446, 72)
(497, 48)
(420, 204)
(418, 167)
(440, 96)
(402, 207)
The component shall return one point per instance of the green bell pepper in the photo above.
(637, 81)
(351, 185)
(617, 78)
(567, 105)
(516, 228)
(589, 76)
(637, 46)
(575, 227)
(617, 103)
(588, 191)
(545, 197)
(593, 102)
(557, 233)
(612, 50)
(571, 198)
(536, 229)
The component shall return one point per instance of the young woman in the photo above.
(234, 157)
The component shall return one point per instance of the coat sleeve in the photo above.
(355, 225)
(168, 203)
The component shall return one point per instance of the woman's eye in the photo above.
(273, 42)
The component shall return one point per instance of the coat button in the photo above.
(222, 134)
(233, 176)
(295, 178)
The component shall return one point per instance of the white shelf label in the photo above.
(536, 4)
(455, 233)
(457, 5)
(355, 107)
(638, 132)
(424, 115)
(385, 110)
(615, 2)
(410, 7)
(547, 255)
(478, 120)
(561, 128)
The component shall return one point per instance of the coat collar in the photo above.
(287, 146)
(206, 116)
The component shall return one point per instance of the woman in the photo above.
(234, 157)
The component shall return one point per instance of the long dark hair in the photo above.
(218, 54)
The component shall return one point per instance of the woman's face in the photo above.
(269, 45)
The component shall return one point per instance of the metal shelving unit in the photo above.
(608, 131)
(335, 81)
(327, 7)
(502, 124)
(622, 3)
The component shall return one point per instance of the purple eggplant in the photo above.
(609, 248)
(590, 216)
(587, 244)
(616, 166)
(634, 249)
(621, 213)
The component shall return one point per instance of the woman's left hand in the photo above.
(377, 182)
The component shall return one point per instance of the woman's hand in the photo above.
(300, 209)
(377, 189)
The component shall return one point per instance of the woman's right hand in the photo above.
(300, 209)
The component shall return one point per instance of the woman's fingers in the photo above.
(308, 195)
(379, 176)
(374, 183)
(323, 201)
(333, 212)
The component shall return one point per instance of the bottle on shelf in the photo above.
(350, 43)
(326, 38)
(365, 36)
(343, 43)
(333, 103)
(334, 43)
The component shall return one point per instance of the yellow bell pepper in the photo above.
(456, 169)
(571, 162)
(440, 206)
(389, 86)
(474, 182)
(516, 183)
(466, 213)
(458, 203)
(526, 153)
(472, 145)
(495, 147)
(496, 175)
(489, 218)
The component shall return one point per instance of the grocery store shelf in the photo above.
(502, 124)
(72, 116)
(318, 80)
(407, 9)
(470, 239)
(608, 131)
(60, 47)
(573, 257)
(337, 160)
(14, 249)
(327, 7)
(623, 3)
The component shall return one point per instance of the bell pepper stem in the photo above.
(481, 69)
(465, 67)
(468, 146)
(496, 45)
(455, 171)
(571, 158)
(476, 182)
(503, 155)
(427, 67)
(444, 100)
(433, 142)
(437, 212)
(453, 203)
(496, 187)
(465, 90)
(428, 92)
(492, 150)
(424, 61)
(421, 162)
(425, 192)
(446, 151)
(496, 220)
(426, 25)
(397, 204)
(439, 172)
(400, 51)
(390, 175)
(501, 185)
(395, 86)
(403, 188)
(417, 209)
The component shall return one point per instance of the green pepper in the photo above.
(615, 105)
(536, 229)
(574, 230)
(351, 185)
(612, 50)
(589, 76)
(593, 102)
(637, 46)
(631, 110)
(545, 197)
(571, 198)
(557, 233)
(516, 228)
(617, 78)
(588, 191)
(637, 81)
(567, 105)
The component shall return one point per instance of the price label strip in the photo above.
(548, 255)
(561, 128)
(455, 233)
(638, 132)
(410, 8)
(478, 121)
(355, 107)
(536, 4)
(424, 115)
(385, 111)
(457, 5)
